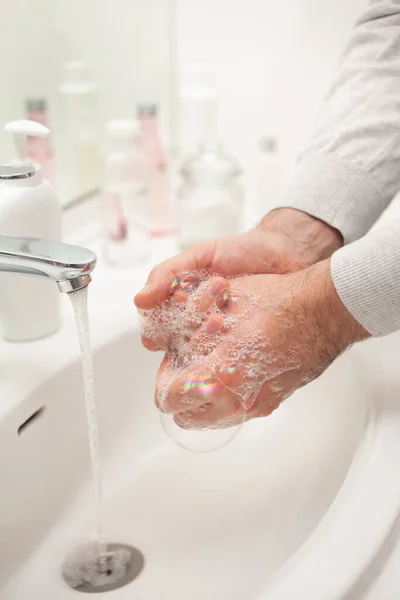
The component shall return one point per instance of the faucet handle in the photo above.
(11, 172)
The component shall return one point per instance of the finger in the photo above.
(272, 393)
(150, 344)
(211, 416)
(208, 332)
(191, 388)
(165, 375)
(204, 382)
(155, 334)
(182, 287)
(162, 277)
(209, 293)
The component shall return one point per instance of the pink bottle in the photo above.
(40, 150)
(159, 193)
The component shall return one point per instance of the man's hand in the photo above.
(286, 241)
(286, 330)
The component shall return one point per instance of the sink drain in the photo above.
(85, 571)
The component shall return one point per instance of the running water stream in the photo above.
(79, 304)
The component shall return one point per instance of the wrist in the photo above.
(335, 323)
(309, 238)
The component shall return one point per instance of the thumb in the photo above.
(163, 276)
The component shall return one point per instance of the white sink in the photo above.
(298, 506)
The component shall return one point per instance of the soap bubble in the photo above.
(185, 429)
(189, 426)
(186, 282)
(199, 439)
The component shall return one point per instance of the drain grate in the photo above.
(84, 570)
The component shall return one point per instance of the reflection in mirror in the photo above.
(73, 66)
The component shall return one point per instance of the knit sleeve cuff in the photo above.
(366, 275)
(337, 192)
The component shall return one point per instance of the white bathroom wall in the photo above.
(274, 60)
(126, 43)
(28, 59)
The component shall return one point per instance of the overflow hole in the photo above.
(30, 420)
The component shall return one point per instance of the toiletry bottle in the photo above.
(81, 144)
(268, 179)
(125, 202)
(210, 198)
(159, 192)
(198, 108)
(40, 150)
(29, 307)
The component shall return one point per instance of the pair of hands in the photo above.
(297, 327)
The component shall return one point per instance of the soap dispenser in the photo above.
(29, 307)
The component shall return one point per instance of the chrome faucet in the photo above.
(69, 266)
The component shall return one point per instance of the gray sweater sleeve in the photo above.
(350, 169)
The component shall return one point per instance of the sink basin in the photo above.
(302, 500)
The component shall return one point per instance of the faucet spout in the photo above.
(69, 266)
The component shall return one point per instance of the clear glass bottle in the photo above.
(125, 202)
(210, 199)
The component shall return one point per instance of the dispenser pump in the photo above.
(20, 130)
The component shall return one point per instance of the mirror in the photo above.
(74, 66)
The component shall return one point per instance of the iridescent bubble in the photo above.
(232, 302)
(197, 385)
(228, 368)
(188, 429)
(186, 282)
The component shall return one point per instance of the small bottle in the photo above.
(210, 200)
(40, 150)
(159, 193)
(268, 178)
(198, 108)
(29, 307)
(81, 143)
(125, 204)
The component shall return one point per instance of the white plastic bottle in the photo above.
(29, 307)
(198, 108)
(40, 150)
(80, 148)
(268, 178)
(125, 195)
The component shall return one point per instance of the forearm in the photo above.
(348, 172)
(356, 293)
